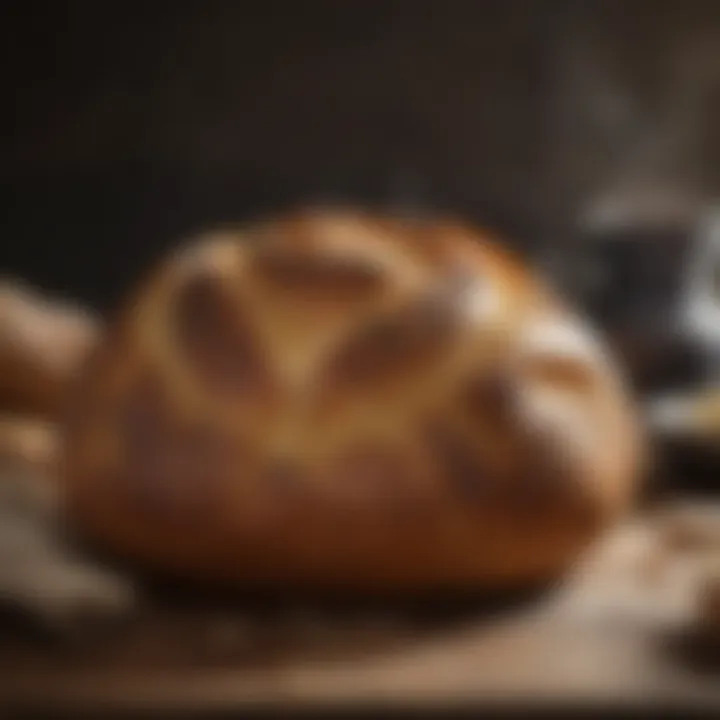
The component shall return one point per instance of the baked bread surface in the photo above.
(44, 339)
(336, 400)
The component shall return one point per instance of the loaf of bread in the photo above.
(43, 341)
(331, 400)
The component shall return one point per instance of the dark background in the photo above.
(128, 125)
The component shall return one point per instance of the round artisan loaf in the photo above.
(333, 400)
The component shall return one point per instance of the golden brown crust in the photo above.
(28, 441)
(337, 400)
(43, 342)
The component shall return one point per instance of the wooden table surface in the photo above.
(616, 634)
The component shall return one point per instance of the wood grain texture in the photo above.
(605, 639)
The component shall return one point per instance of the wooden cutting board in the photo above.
(615, 634)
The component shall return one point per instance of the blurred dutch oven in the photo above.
(686, 418)
(652, 283)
